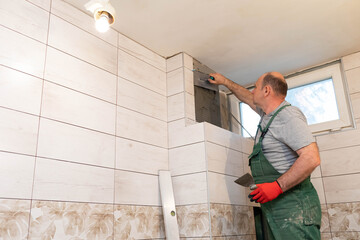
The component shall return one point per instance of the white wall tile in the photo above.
(20, 91)
(353, 80)
(317, 172)
(76, 108)
(137, 126)
(187, 159)
(247, 145)
(245, 158)
(16, 175)
(340, 161)
(130, 46)
(26, 18)
(223, 189)
(71, 72)
(190, 106)
(136, 188)
(66, 142)
(355, 101)
(343, 188)
(142, 73)
(319, 186)
(174, 62)
(340, 139)
(73, 40)
(140, 157)
(189, 81)
(351, 61)
(224, 160)
(81, 20)
(188, 61)
(140, 99)
(18, 132)
(223, 137)
(64, 181)
(176, 107)
(175, 82)
(179, 135)
(22, 53)
(190, 189)
(45, 4)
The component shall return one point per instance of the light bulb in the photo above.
(102, 24)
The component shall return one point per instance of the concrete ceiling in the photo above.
(243, 38)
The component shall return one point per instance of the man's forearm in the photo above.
(240, 92)
(302, 168)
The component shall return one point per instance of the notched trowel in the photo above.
(246, 181)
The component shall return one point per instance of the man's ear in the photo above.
(267, 90)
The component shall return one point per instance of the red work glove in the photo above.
(265, 192)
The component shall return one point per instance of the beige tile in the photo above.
(14, 218)
(326, 236)
(76, 108)
(351, 61)
(345, 235)
(25, 18)
(353, 80)
(18, 132)
(142, 73)
(139, 127)
(189, 106)
(223, 137)
(247, 145)
(73, 73)
(20, 91)
(355, 101)
(189, 81)
(188, 61)
(340, 161)
(190, 189)
(82, 20)
(174, 62)
(138, 222)
(70, 143)
(141, 52)
(317, 172)
(136, 188)
(102, 54)
(67, 221)
(325, 224)
(179, 135)
(175, 81)
(64, 181)
(345, 138)
(140, 157)
(45, 4)
(16, 175)
(318, 184)
(193, 221)
(344, 217)
(21, 53)
(223, 189)
(224, 160)
(245, 159)
(343, 188)
(231, 220)
(140, 99)
(176, 107)
(187, 159)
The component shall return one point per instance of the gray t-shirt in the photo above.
(287, 133)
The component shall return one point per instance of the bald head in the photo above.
(276, 81)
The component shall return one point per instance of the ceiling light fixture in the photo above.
(104, 14)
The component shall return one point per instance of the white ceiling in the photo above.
(243, 38)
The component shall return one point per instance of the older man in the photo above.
(283, 157)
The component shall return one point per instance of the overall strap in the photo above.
(263, 132)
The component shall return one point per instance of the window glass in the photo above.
(249, 119)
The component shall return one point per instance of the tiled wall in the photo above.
(83, 126)
(338, 177)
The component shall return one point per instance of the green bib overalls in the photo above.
(295, 214)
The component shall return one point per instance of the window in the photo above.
(318, 93)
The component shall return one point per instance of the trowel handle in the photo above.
(212, 78)
(253, 187)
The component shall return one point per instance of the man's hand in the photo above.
(265, 192)
(218, 79)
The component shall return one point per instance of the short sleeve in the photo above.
(296, 133)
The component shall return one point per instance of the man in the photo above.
(282, 160)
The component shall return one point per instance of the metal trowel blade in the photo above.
(246, 180)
